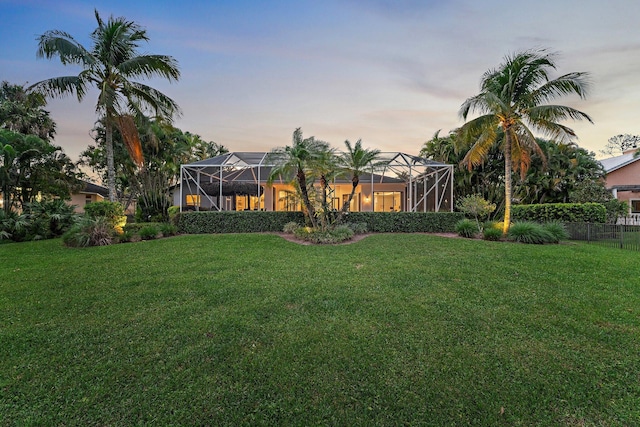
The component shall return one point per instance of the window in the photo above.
(387, 201)
(635, 206)
(87, 198)
(193, 200)
(288, 201)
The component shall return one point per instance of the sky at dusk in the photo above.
(389, 72)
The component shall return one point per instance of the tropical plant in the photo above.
(292, 164)
(23, 112)
(466, 228)
(513, 103)
(110, 65)
(354, 162)
(530, 233)
(31, 168)
(89, 232)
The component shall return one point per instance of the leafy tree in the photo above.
(164, 149)
(476, 206)
(110, 65)
(23, 112)
(31, 167)
(620, 143)
(512, 104)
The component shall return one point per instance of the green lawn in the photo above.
(254, 330)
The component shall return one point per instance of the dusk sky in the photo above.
(389, 72)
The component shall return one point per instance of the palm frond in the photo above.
(573, 83)
(59, 43)
(151, 66)
(60, 87)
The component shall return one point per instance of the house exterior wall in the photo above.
(78, 200)
(627, 175)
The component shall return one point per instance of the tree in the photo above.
(512, 104)
(23, 112)
(354, 162)
(621, 143)
(164, 149)
(293, 162)
(30, 168)
(110, 66)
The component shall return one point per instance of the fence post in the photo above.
(588, 232)
(621, 236)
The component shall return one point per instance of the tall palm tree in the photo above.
(355, 161)
(109, 66)
(293, 162)
(512, 104)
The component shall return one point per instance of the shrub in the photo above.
(148, 232)
(235, 221)
(557, 230)
(530, 232)
(466, 228)
(261, 221)
(336, 235)
(112, 211)
(291, 227)
(563, 212)
(475, 206)
(492, 233)
(168, 229)
(89, 232)
(358, 227)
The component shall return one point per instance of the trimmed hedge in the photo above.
(407, 222)
(262, 221)
(560, 212)
(235, 221)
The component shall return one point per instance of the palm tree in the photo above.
(354, 161)
(293, 162)
(109, 66)
(512, 104)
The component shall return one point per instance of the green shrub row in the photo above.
(235, 221)
(261, 221)
(407, 222)
(562, 212)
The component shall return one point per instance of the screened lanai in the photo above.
(238, 181)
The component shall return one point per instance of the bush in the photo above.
(168, 229)
(466, 228)
(492, 233)
(112, 211)
(475, 206)
(562, 212)
(531, 233)
(261, 221)
(358, 227)
(291, 227)
(557, 230)
(89, 232)
(336, 235)
(148, 232)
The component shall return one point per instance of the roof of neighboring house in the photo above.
(613, 163)
(91, 188)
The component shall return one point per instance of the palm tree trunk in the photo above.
(347, 205)
(111, 172)
(507, 182)
(302, 182)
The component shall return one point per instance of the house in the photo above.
(623, 179)
(238, 181)
(90, 193)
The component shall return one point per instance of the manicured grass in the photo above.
(254, 330)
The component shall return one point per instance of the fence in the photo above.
(610, 235)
